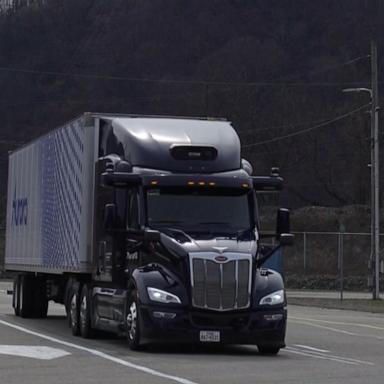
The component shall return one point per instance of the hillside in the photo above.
(272, 68)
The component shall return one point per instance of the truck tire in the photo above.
(40, 301)
(16, 295)
(133, 322)
(268, 349)
(86, 330)
(26, 296)
(74, 309)
(67, 299)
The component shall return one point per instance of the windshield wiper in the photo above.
(211, 223)
(166, 222)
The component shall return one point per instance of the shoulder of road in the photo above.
(356, 301)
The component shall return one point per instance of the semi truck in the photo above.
(147, 227)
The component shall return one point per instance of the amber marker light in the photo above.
(154, 182)
(212, 184)
(201, 182)
(245, 185)
(191, 183)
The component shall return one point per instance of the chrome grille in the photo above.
(220, 286)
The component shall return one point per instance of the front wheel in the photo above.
(133, 322)
(268, 349)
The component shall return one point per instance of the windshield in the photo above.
(199, 210)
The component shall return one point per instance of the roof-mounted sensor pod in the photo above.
(193, 152)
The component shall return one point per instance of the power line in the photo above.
(190, 82)
(325, 69)
(302, 131)
(293, 125)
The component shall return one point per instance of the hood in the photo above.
(179, 242)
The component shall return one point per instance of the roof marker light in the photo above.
(191, 183)
(245, 185)
(154, 182)
(201, 182)
(212, 184)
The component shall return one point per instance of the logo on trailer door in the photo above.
(19, 211)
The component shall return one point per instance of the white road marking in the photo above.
(339, 323)
(338, 330)
(308, 354)
(33, 351)
(311, 348)
(103, 355)
(340, 359)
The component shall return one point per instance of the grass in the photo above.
(365, 305)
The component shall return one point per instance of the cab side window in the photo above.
(133, 209)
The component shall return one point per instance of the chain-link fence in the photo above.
(330, 260)
(2, 247)
(318, 260)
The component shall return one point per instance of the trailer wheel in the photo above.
(268, 349)
(16, 296)
(86, 330)
(40, 301)
(67, 300)
(133, 322)
(74, 301)
(26, 296)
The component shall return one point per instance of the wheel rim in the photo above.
(73, 311)
(132, 321)
(16, 296)
(83, 312)
(20, 294)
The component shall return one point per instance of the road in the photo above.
(323, 346)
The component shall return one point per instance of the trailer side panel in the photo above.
(50, 202)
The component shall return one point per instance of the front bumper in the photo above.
(261, 327)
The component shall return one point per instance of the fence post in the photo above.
(305, 250)
(341, 264)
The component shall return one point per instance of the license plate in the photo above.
(210, 336)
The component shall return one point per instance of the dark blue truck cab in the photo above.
(176, 253)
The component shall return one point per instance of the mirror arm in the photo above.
(264, 235)
(264, 258)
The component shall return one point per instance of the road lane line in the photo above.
(339, 323)
(311, 348)
(315, 354)
(338, 330)
(308, 354)
(103, 355)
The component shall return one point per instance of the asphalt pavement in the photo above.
(323, 346)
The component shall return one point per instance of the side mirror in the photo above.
(110, 216)
(267, 183)
(151, 235)
(120, 179)
(283, 227)
(287, 239)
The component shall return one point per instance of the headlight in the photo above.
(273, 298)
(162, 296)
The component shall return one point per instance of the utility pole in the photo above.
(375, 170)
(375, 178)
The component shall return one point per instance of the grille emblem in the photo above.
(221, 259)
